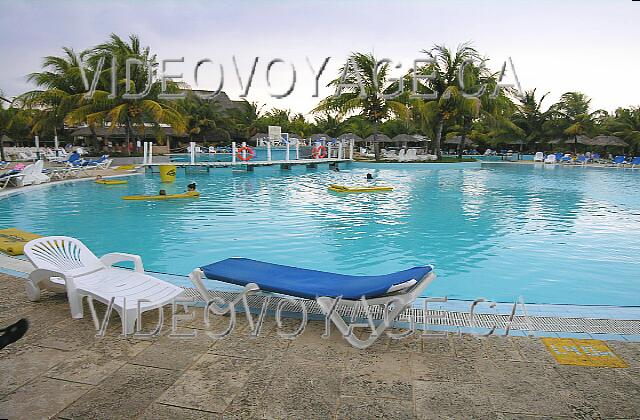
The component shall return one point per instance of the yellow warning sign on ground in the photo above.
(572, 351)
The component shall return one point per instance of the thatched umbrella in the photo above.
(349, 137)
(608, 141)
(319, 137)
(581, 139)
(259, 137)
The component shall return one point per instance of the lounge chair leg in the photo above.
(326, 304)
(75, 304)
(33, 291)
(131, 321)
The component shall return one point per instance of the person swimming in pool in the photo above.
(369, 177)
(162, 192)
(191, 187)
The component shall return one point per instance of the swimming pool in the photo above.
(550, 234)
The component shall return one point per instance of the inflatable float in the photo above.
(125, 168)
(12, 241)
(357, 188)
(190, 194)
(110, 182)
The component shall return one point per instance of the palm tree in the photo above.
(625, 123)
(433, 114)
(459, 108)
(61, 88)
(329, 124)
(530, 117)
(377, 104)
(126, 112)
(572, 115)
(204, 118)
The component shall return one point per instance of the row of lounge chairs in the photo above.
(407, 155)
(621, 161)
(31, 174)
(65, 264)
(35, 173)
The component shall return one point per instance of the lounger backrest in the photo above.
(62, 254)
(28, 170)
(38, 167)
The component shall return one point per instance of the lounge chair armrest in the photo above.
(402, 286)
(116, 257)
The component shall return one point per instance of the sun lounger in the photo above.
(539, 157)
(35, 176)
(400, 288)
(66, 264)
(582, 160)
(8, 177)
(635, 162)
(550, 159)
(620, 161)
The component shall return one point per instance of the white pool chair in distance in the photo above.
(539, 157)
(412, 155)
(65, 264)
(402, 154)
(550, 159)
(34, 176)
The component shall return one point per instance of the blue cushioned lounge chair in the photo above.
(399, 289)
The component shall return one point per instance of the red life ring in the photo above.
(249, 155)
(319, 152)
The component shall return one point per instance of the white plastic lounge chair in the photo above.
(9, 178)
(412, 155)
(19, 179)
(33, 175)
(539, 157)
(26, 156)
(398, 290)
(550, 159)
(66, 264)
(402, 155)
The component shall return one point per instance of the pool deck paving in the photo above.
(60, 369)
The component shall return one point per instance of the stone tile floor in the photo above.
(61, 370)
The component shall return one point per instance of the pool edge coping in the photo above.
(557, 311)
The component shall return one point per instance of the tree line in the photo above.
(58, 104)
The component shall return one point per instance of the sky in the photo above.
(556, 46)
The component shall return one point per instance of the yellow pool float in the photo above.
(357, 188)
(125, 167)
(110, 182)
(12, 241)
(190, 194)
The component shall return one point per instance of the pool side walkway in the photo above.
(61, 370)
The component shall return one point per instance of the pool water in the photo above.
(550, 234)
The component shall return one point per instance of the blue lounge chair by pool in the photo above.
(400, 288)
(566, 159)
(635, 162)
(620, 161)
(559, 156)
(582, 160)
